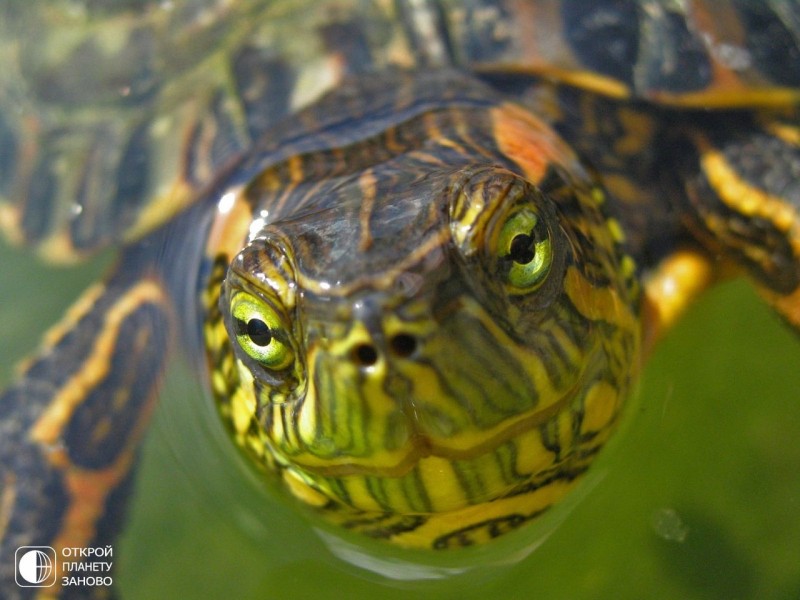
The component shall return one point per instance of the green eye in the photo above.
(260, 331)
(525, 243)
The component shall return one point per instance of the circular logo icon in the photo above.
(35, 566)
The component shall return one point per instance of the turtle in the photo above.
(418, 250)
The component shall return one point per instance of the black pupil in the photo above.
(258, 332)
(521, 250)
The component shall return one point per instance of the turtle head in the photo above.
(416, 341)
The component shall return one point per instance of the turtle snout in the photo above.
(401, 345)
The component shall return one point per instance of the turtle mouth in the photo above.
(422, 445)
(431, 472)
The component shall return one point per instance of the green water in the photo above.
(698, 498)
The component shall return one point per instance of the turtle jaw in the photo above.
(427, 474)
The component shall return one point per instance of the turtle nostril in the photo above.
(403, 345)
(365, 355)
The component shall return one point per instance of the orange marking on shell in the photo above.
(527, 141)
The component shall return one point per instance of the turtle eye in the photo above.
(260, 331)
(525, 250)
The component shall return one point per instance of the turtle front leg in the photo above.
(743, 192)
(70, 426)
